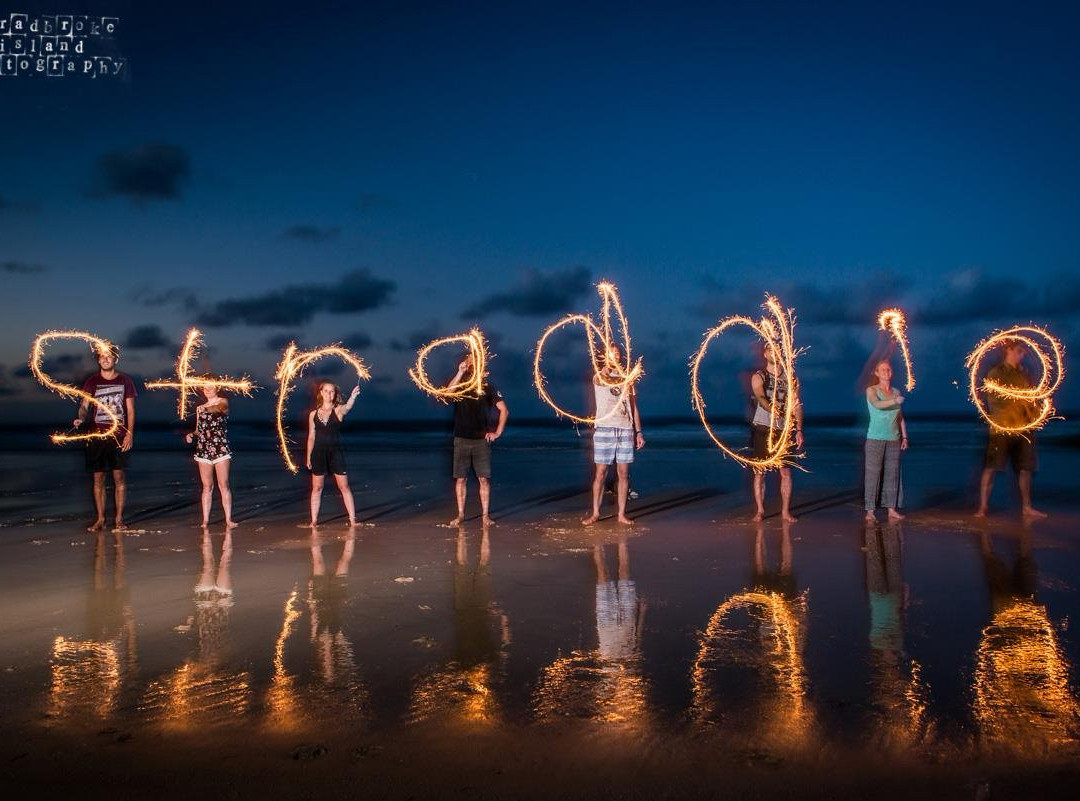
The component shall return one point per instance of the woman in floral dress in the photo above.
(212, 454)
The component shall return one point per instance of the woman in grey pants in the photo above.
(885, 438)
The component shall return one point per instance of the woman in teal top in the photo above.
(885, 438)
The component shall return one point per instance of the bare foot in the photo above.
(1034, 513)
(626, 521)
(457, 521)
(312, 524)
(588, 521)
(486, 521)
(758, 517)
(352, 524)
(790, 518)
(871, 517)
(895, 515)
(231, 524)
(120, 525)
(97, 525)
(980, 513)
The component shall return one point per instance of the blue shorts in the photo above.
(613, 445)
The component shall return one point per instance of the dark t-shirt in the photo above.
(472, 416)
(112, 392)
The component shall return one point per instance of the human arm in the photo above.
(883, 403)
(310, 438)
(504, 414)
(903, 433)
(80, 416)
(797, 416)
(757, 387)
(635, 415)
(129, 437)
(346, 407)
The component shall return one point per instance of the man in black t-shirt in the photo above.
(473, 436)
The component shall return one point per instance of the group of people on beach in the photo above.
(479, 421)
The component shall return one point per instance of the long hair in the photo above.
(872, 379)
(318, 392)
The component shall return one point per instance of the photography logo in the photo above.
(64, 45)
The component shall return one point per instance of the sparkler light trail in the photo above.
(1040, 396)
(188, 383)
(892, 320)
(602, 352)
(471, 387)
(778, 334)
(292, 366)
(37, 358)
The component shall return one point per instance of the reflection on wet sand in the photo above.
(749, 676)
(463, 690)
(205, 689)
(605, 684)
(89, 676)
(1023, 702)
(336, 683)
(898, 694)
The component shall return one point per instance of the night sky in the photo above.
(386, 173)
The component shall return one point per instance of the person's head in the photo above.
(612, 357)
(768, 353)
(1013, 351)
(883, 372)
(210, 391)
(328, 393)
(107, 358)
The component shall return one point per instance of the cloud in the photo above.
(311, 233)
(358, 340)
(22, 267)
(356, 291)
(179, 296)
(146, 337)
(278, 342)
(62, 367)
(418, 338)
(536, 294)
(154, 171)
(7, 387)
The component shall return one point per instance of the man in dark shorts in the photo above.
(769, 388)
(472, 439)
(109, 455)
(1002, 447)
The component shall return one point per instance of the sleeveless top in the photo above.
(776, 393)
(328, 434)
(612, 407)
(884, 423)
(212, 436)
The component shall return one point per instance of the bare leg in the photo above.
(785, 495)
(597, 494)
(623, 471)
(485, 498)
(206, 579)
(346, 497)
(759, 494)
(986, 484)
(120, 493)
(99, 502)
(316, 498)
(460, 491)
(1024, 479)
(206, 476)
(222, 471)
(624, 560)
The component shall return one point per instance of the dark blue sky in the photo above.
(382, 173)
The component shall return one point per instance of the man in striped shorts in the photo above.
(617, 436)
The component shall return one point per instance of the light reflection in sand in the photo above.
(1024, 704)
(464, 689)
(205, 689)
(88, 676)
(606, 684)
(763, 631)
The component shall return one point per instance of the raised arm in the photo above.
(346, 407)
(888, 403)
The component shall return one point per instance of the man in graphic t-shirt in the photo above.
(115, 390)
(473, 435)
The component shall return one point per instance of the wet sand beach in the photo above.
(695, 654)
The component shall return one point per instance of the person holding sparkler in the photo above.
(1008, 439)
(772, 389)
(618, 437)
(212, 453)
(473, 436)
(325, 452)
(111, 388)
(885, 438)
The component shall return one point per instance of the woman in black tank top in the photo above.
(325, 453)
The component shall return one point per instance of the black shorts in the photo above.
(104, 455)
(474, 453)
(1004, 448)
(759, 441)
(328, 460)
